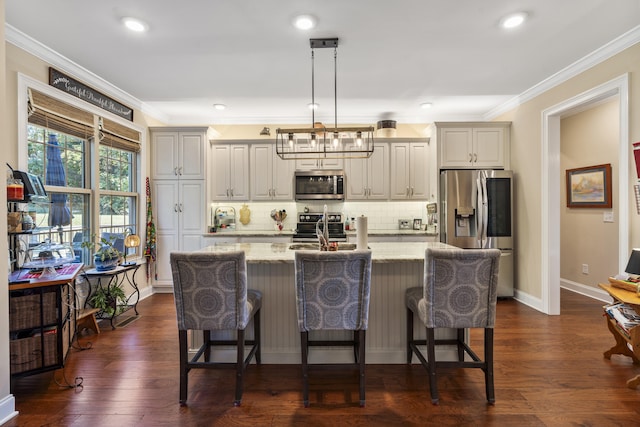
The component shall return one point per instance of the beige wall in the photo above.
(589, 138)
(526, 157)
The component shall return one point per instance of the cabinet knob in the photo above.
(175, 171)
(470, 158)
(175, 207)
(475, 157)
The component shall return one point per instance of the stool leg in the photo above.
(488, 360)
(239, 367)
(304, 345)
(409, 334)
(184, 370)
(431, 357)
(361, 348)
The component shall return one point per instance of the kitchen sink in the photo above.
(316, 246)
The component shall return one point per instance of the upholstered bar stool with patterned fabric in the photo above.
(459, 292)
(210, 292)
(332, 293)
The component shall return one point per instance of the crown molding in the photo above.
(56, 60)
(599, 55)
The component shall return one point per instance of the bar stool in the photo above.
(332, 293)
(210, 292)
(459, 292)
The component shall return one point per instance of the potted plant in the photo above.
(106, 256)
(107, 300)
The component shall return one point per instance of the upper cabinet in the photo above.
(310, 164)
(409, 170)
(368, 179)
(271, 177)
(178, 153)
(230, 171)
(475, 145)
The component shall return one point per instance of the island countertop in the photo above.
(381, 252)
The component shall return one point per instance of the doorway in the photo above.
(552, 181)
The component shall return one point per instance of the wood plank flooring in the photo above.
(549, 371)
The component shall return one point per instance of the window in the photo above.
(62, 150)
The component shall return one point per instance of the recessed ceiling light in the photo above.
(426, 105)
(304, 22)
(135, 24)
(313, 106)
(513, 20)
(219, 106)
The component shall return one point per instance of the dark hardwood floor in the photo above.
(549, 371)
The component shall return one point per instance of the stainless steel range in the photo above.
(306, 228)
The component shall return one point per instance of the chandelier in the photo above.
(319, 141)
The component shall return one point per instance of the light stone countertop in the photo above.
(381, 252)
(290, 233)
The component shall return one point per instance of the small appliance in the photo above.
(319, 185)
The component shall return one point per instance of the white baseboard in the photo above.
(7, 408)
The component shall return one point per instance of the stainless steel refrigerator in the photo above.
(476, 211)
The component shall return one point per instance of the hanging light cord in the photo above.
(313, 89)
(335, 87)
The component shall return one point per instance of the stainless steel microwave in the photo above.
(319, 184)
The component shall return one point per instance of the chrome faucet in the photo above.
(323, 236)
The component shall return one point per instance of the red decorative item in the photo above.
(636, 155)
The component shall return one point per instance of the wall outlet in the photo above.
(585, 268)
(608, 216)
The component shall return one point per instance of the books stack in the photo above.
(624, 315)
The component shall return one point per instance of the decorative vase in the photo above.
(104, 264)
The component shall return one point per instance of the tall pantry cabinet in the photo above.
(178, 193)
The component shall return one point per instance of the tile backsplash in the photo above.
(382, 215)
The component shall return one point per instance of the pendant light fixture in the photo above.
(319, 141)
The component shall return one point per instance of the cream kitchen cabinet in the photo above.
(178, 153)
(230, 171)
(179, 211)
(310, 164)
(409, 170)
(473, 145)
(368, 179)
(271, 177)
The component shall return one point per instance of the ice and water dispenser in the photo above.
(465, 222)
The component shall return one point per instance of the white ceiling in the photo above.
(392, 55)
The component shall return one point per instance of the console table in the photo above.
(108, 280)
(622, 341)
(41, 319)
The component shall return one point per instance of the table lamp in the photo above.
(633, 266)
(133, 241)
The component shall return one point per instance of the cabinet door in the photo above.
(282, 173)
(192, 207)
(166, 243)
(378, 172)
(400, 178)
(192, 155)
(239, 172)
(164, 152)
(488, 147)
(166, 197)
(419, 170)
(221, 172)
(356, 178)
(456, 150)
(261, 171)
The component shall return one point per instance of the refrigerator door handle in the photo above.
(483, 209)
(479, 211)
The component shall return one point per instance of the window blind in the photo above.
(117, 136)
(54, 114)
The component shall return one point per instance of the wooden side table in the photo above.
(622, 341)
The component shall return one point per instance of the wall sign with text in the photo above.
(84, 92)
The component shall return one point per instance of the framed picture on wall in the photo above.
(589, 187)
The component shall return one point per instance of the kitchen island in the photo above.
(396, 267)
